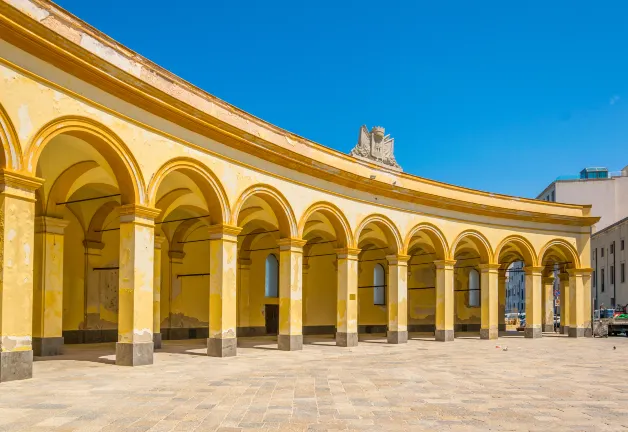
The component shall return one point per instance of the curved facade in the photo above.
(136, 206)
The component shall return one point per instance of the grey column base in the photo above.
(532, 332)
(134, 354)
(502, 327)
(50, 346)
(222, 347)
(564, 330)
(346, 339)
(157, 340)
(548, 328)
(444, 335)
(16, 365)
(397, 337)
(290, 342)
(576, 332)
(588, 332)
(490, 333)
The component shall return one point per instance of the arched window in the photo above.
(272, 276)
(379, 285)
(474, 288)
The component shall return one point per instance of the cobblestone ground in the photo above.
(551, 384)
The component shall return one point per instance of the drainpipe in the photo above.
(614, 277)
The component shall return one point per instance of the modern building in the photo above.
(135, 207)
(608, 254)
(515, 288)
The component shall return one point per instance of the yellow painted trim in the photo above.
(429, 227)
(10, 142)
(278, 202)
(477, 235)
(379, 218)
(518, 239)
(332, 210)
(563, 245)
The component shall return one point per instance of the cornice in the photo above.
(50, 46)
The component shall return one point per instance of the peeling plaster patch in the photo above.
(15, 343)
(110, 55)
(28, 8)
(27, 254)
(11, 235)
(26, 126)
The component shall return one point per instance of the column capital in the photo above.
(441, 264)
(176, 255)
(244, 263)
(138, 214)
(305, 268)
(580, 272)
(489, 267)
(291, 243)
(533, 270)
(224, 232)
(401, 260)
(348, 253)
(159, 240)
(546, 280)
(93, 247)
(564, 276)
(46, 224)
(14, 180)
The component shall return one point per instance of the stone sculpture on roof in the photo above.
(375, 146)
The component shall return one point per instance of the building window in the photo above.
(602, 252)
(602, 279)
(553, 195)
(622, 271)
(612, 248)
(474, 288)
(612, 275)
(379, 285)
(272, 276)
(622, 245)
(594, 279)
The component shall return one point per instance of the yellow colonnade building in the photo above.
(135, 207)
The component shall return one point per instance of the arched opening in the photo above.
(474, 288)
(77, 241)
(272, 276)
(379, 285)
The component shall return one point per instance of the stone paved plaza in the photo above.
(554, 383)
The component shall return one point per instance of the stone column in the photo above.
(135, 320)
(17, 228)
(347, 304)
(290, 294)
(157, 292)
(305, 272)
(444, 300)
(548, 304)
(243, 299)
(564, 303)
(579, 302)
(397, 299)
(48, 288)
(489, 302)
(533, 302)
(223, 260)
(501, 295)
(93, 252)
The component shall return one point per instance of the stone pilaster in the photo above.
(533, 302)
(445, 300)
(501, 294)
(93, 252)
(547, 305)
(223, 260)
(48, 287)
(564, 303)
(579, 302)
(347, 303)
(489, 292)
(157, 292)
(243, 299)
(135, 320)
(290, 294)
(17, 228)
(397, 298)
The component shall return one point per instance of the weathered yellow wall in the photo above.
(73, 275)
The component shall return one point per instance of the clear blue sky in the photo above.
(500, 96)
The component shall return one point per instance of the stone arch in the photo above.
(104, 141)
(435, 235)
(96, 224)
(276, 201)
(11, 157)
(385, 224)
(525, 249)
(61, 187)
(344, 236)
(564, 247)
(213, 192)
(479, 241)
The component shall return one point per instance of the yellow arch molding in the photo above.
(530, 259)
(277, 202)
(383, 220)
(565, 246)
(433, 232)
(104, 141)
(478, 237)
(337, 219)
(213, 192)
(12, 154)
